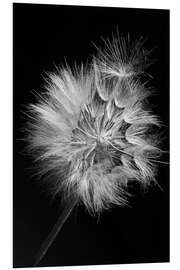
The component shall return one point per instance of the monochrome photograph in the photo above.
(90, 135)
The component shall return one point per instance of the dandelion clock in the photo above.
(90, 128)
(94, 134)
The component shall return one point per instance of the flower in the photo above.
(92, 130)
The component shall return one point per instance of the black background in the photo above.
(45, 35)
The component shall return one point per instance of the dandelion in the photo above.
(92, 130)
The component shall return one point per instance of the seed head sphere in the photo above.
(91, 127)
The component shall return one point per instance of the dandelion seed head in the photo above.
(90, 127)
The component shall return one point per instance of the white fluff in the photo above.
(90, 127)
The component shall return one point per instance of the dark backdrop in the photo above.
(43, 36)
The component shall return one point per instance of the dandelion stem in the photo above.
(70, 204)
